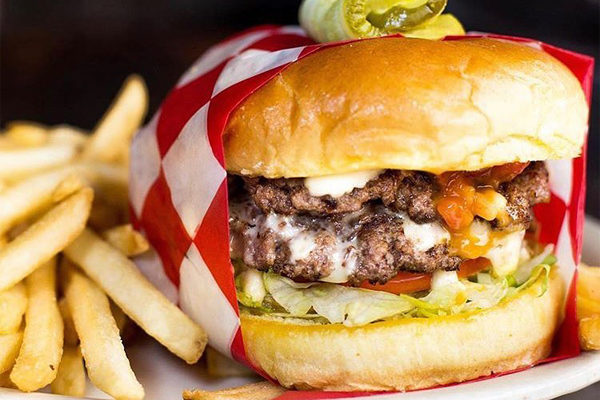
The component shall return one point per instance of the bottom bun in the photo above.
(411, 353)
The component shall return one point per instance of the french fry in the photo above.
(45, 238)
(588, 282)
(42, 348)
(139, 299)
(13, 303)
(253, 391)
(589, 333)
(67, 187)
(18, 163)
(221, 367)
(127, 240)
(71, 338)
(70, 379)
(5, 143)
(114, 132)
(26, 133)
(124, 158)
(17, 230)
(5, 380)
(32, 195)
(3, 186)
(105, 358)
(587, 308)
(111, 201)
(65, 134)
(9, 349)
(110, 179)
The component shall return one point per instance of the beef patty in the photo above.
(408, 191)
(412, 192)
(522, 193)
(369, 244)
(276, 225)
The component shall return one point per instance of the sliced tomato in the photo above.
(408, 282)
(404, 282)
(505, 172)
(473, 266)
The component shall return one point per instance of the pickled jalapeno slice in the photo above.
(403, 17)
(331, 20)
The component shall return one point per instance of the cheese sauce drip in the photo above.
(465, 195)
(480, 240)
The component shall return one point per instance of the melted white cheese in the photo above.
(480, 231)
(424, 236)
(300, 242)
(343, 258)
(505, 253)
(443, 278)
(301, 245)
(338, 185)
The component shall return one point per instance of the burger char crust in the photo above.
(408, 191)
(379, 245)
(385, 251)
(527, 189)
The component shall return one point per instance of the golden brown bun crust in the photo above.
(415, 104)
(410, 353)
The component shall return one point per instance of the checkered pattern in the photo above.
(179, 189)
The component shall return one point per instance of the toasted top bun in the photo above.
(413, 104)
(408, 353)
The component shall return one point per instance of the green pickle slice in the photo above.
(329, 20)
(401, 17)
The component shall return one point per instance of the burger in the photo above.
(381, 224)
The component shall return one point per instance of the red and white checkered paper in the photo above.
(178, 185)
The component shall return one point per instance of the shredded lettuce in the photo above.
(460, 297)
(541, 270)
(525, 270)
(337, 304)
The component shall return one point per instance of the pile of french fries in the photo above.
(588, 306)
(68, 289)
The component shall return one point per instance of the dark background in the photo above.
(63, 61)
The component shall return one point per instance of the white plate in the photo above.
(164, 376)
